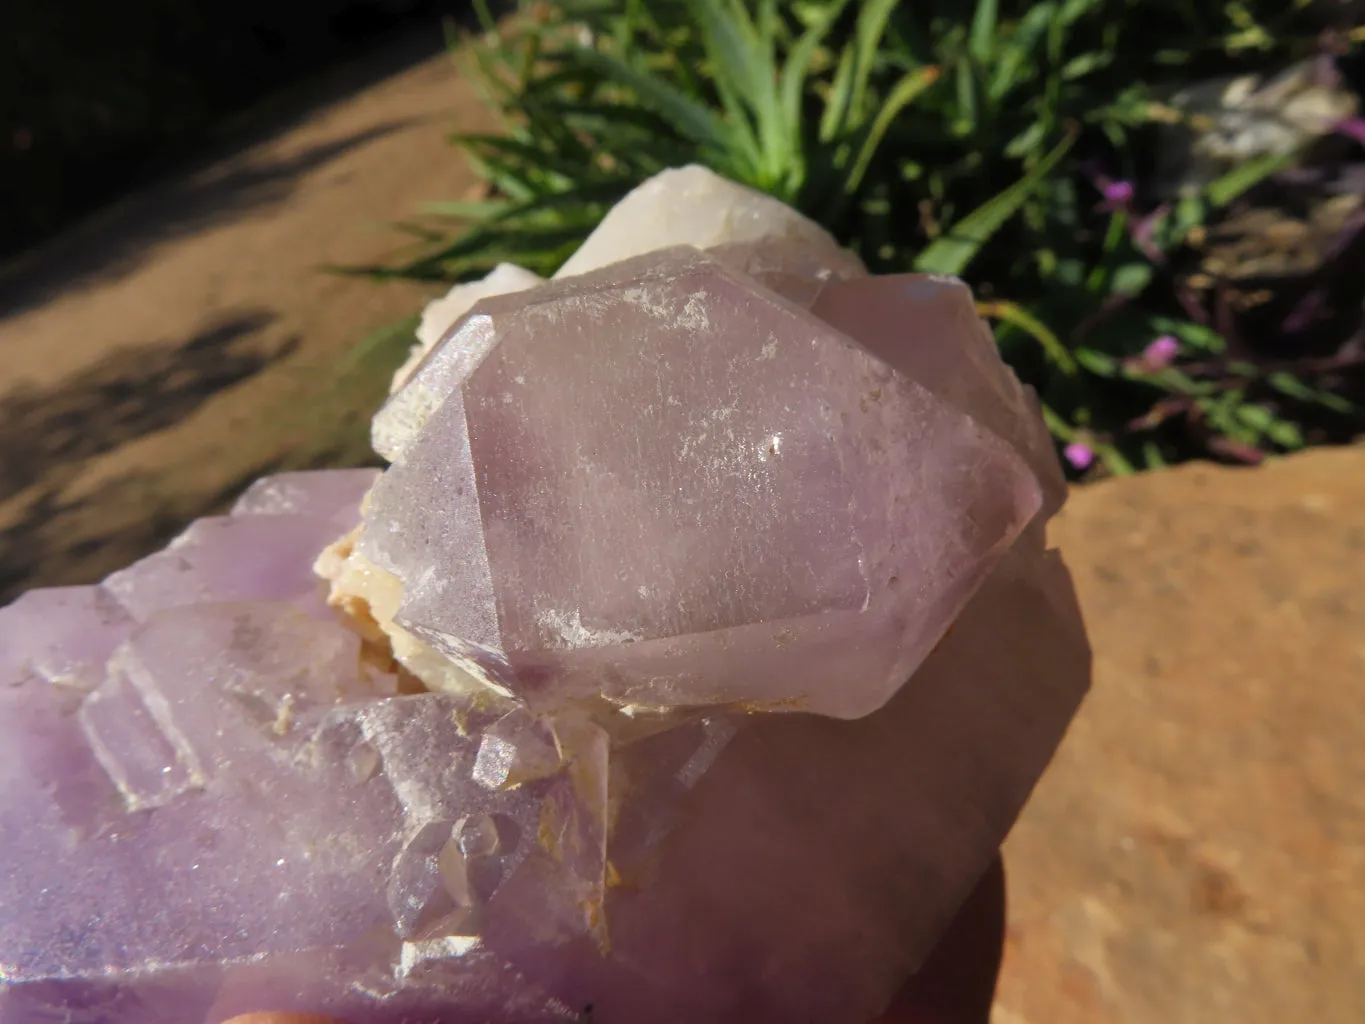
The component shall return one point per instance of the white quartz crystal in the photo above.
(691, 206)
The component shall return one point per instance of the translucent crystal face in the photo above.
(217, 804)
(904, 319)
(755, 506)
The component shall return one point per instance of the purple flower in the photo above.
(1160, 353)
(1352, 128)
(1079, 455)
(1117, 193)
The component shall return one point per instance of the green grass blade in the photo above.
(1288, 384)
(391, 342)
(840, 97)
(1240, 179)
(688, 116)
(744, 71)
(1086, 63)
(741, 64)
(1014, 65)
(1018, 316)
(606, 117)
(540, 249)
(507, 179)
(868, 34)
(485, 16)
(419, 231)
(984, 22)
(481, 63)
(796, 70)
(1073, 10)
(735, 47)
(848, 92)
(906, 91)
(966, 119)
(516, 151)
(951, 252)
(484, 209)
(552, 206)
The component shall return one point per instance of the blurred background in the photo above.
(220, 223)
(95, 98)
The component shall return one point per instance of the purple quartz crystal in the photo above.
(740, 520)
(641, 503)
(263, 551)
(228, 558)
(62, 635)
(325, 494)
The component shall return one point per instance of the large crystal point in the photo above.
(759, 505)
(512, 767)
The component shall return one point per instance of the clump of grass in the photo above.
(1005, 142)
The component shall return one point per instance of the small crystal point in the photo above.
(442, 314)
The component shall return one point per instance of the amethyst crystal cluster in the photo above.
(689, 663)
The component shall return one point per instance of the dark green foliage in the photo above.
(968, 137)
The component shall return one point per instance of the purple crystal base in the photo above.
(789, 491)
(203, 801)
(233, 815)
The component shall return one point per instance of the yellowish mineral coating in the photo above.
(368, 597)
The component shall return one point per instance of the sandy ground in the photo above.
(1196, 852)
(189, 339)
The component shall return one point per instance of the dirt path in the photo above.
(157, 358)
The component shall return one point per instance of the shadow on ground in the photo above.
(100, 466)
(60, 543)
(52, 435)
(125, 396)
(117, 241)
